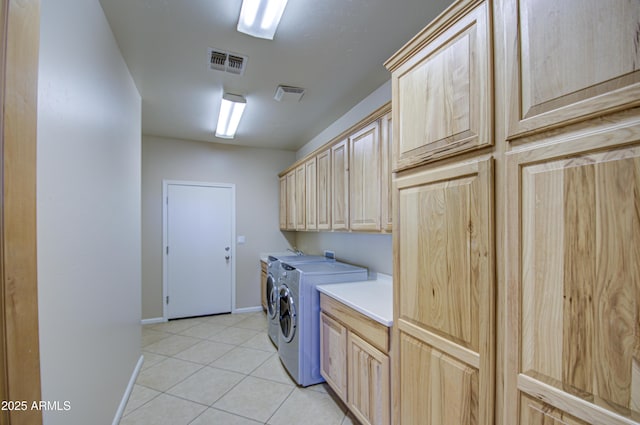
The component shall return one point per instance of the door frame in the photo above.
(165, 231)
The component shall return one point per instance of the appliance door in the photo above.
(272, 297)
(288, 314)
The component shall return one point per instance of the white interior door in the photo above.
(198, 250)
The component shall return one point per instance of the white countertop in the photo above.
(373, 298)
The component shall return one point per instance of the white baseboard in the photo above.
(127, 392)
(152, 321)
(247, 309)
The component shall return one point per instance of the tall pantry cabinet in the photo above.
(517, 215)
(444, 321)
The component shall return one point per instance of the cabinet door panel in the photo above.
(364, 178)
(440, 391)
(300, 213)
(445, 290)
(283, 203)
(585, 64)
(311, 198)
(333, 359)
(340, 186)
(578, 282)
(368, 394)
(386, 142)
(324, 190)
(291, 200)
(444, 94)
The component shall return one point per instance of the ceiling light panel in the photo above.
(260, 18)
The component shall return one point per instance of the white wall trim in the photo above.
(152, 321)
(247, 309)
(165, 186)
(127, 392)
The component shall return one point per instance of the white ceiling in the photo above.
(335, 49)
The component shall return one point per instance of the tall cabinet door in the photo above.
(364, 178)
(444, 296)
(323, 163)
(573, 340)
(340, 186)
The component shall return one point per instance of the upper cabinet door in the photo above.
(323, 186)
(300, 196)
(364, 178)
(311, 195)
(283, 203)
(340, 186)
(443, 92)
(569, 60)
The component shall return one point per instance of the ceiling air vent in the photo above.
(288, 94)
(233, 63)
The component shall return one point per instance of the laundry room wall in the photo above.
(88, 215)
(254, 171)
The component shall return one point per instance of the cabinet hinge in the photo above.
(167, 299)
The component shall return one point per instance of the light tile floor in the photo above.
(222, 370)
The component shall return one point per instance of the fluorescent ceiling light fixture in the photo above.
(231, 110)
(260, 18)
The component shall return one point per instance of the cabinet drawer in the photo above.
(375, 333)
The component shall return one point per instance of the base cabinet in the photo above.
(368, 388)
(354, 360)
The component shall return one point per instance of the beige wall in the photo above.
(88, 215)
(370, 250)
(255, 174)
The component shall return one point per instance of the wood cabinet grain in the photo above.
(442, 85)
(574, 270)
(569, 61)
(340, 185)
(311, 194)
(283, 203)
(300, 197)
(323, 187)
(365, 179)
(355, 361)
(291, 199)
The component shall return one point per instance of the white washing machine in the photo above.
(299, 305)
(273, 277)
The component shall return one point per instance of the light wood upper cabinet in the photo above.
(300, 190)
(443, 90)
(323, 187)
(291, 199)
(283, 203)
(444, 295)
(365, 178)
(340, 186)
(386, 145)
(586, 63)
(311, 197)
(574, 276)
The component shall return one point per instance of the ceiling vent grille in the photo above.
(288, 94)
(233, 63)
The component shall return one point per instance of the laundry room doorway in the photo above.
(198, 248)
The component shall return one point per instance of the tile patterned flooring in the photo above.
(222, 370)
